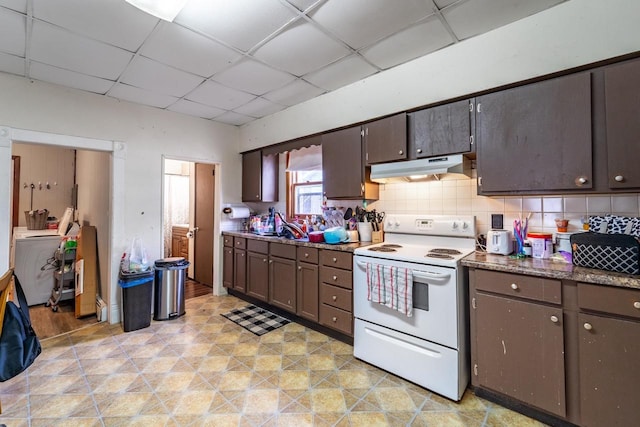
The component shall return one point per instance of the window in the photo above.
(305, 193)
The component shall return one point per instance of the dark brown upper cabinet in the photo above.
(259, 177)
(536, 138)
(442, 130)
(622, 105)
(385, 140)
(344, 175)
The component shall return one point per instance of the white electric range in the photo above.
(429, 348)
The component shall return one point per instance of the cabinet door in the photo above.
(240, 270)
(342, 168)
(520, 351)
(227, 267)
(282, 283)
(258, 276)
(252, 176)
(307, 297)
(441, 130)
(536, 137)
(385, 140)
(609, 374)
(622, 103)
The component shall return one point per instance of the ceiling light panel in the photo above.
(11, 64)
(409, 44)
(17, 5)
(341, 73)
(141, 96)
(474, 17)
(67, 78)
(113, 22)
(259, 107)
(12, 30)
(184, 49)
(239, 23)
(195, 109)
(300, 49)
(217, 95)
(362, 22)
(54, 46)
(294, 93)
(253, 77)
(151, 75)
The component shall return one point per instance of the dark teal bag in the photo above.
(19, 345)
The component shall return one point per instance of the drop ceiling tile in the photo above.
(55, 46)
(17, 5)
(67, 78)
(12, 30)
(409, 44)
(11, 64)
(341, 73)
(259, 107)
(303, 5)
(239, 23)
(474, 17)
(151, 75)
(290, 50)
(194, 109)
(444, 3)
(141, 96)
(217, 95)
(362, 22)
(254, 77)
(113, 22)
(294, 93)
(184, 49)
(232, 118)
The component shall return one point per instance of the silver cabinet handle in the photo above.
(581, 180)
(270, 261)
(334, 319)
(335, 278)
(264, 260)
(257, 196)
(636, 304)
(514, 286)
(619, 178)
(554, 319)
(306, 255)
(334, 259)
(299, 268)
(334, 297)
(401, 152)
(419, 150)
(588, 326)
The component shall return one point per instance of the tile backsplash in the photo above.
(459, 197)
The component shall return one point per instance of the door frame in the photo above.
(218, 289)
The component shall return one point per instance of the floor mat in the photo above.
(255, 319)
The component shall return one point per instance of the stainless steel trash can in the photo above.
(169, 278)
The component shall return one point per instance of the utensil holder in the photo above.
(365, 231)
(377, 236)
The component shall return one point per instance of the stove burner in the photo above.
(382, 249)
(445, 251)
(438, 255)
(390, 245)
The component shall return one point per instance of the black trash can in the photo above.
(170, 275)
(136, 299)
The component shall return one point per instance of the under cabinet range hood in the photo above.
(454, 166)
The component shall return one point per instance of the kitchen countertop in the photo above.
(551, 269)
(343, 247)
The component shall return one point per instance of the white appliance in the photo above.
(430, 348)
(499, 242)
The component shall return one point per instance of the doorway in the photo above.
(188, 220)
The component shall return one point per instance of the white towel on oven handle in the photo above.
(391, 286)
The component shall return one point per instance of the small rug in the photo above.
(255, 319)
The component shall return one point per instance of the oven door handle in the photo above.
(423, 275)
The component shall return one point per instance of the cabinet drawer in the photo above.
(337, 277)
(336, 297)
(336, 259)
(227, 240)
(621, 301)
(518, 285)
(240, 243)
(309, 255)
(336, 319)
(283, 251)
(258, 246)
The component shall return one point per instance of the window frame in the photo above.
(291, 192)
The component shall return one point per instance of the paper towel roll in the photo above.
(239, 212)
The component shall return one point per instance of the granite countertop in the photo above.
(343, 247)
(551, 269)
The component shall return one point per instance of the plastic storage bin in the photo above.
(170, 274)
(136, 299)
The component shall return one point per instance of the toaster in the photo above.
(499, 242)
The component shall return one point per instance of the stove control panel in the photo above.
(436, 225)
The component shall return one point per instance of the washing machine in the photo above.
(32, 253)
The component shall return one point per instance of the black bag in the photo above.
(612, 252)
(19, 345)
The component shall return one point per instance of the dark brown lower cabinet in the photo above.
(227, 267)
(282, 283)
(258, 275)
(307, 296)
(240, 270)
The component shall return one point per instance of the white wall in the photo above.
(148, 134)
(573, 33)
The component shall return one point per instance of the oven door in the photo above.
(437, 300)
